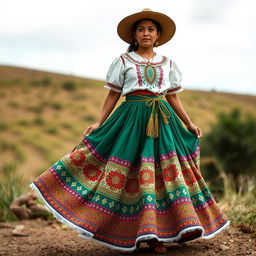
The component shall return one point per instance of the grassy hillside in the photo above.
(43, 115)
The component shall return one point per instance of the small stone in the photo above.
(19, 227)
(54, 225)
(224, 247)
(5, 225)
(19, 231)
(232, 232)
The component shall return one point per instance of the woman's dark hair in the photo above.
(133, 46)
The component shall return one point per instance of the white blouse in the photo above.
(130, 72)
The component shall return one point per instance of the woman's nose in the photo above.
(146, 32)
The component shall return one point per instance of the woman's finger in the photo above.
(199, 133)
(85, 133)
(89, 131)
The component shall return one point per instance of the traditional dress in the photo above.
(137, 176)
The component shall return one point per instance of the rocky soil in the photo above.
(40, 237)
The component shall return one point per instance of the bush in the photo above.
(23, 122)
(14, 104)
(3, 125)
(89, 118)
(39, 121)
(56, 105)
(46, 81)
(232, 142)
(13, 147)
(36, 108)
(43, 82)
(69, 85)
(52, 130)
(10, 188)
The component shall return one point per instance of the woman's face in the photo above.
(146, 34)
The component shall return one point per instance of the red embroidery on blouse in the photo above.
(173, 89)
(139, 75)
(170, 63)
(114, 86)
(161, 77)
(122, 58)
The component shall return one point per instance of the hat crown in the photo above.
(146, 10)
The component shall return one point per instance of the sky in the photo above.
(214, 43)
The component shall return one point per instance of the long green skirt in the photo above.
(119, 186)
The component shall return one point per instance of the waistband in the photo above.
(144, 92)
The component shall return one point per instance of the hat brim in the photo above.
(168, 27)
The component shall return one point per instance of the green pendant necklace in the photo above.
(150, 73)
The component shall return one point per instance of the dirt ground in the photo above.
(51, 238)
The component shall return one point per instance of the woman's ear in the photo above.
(134, 35)
(158, 35)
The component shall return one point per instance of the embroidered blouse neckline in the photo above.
(145, 59)
(136, 58)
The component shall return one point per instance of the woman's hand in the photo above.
(91, 128)
(194, 129)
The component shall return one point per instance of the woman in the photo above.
(136, 176)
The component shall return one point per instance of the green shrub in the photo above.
(15, 81)
(52, 130)
(39, 121)
(232, 143)
(89, 118)
(69, 85)
(23, 122)
(80, 96)
(67, 126)
(3, 125)
(10, 188)
(14, 104)
(46, 81)
(36, 108)
(14, 148)
(56, 105)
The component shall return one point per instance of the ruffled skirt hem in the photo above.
(88, 235)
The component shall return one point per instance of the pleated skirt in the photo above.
(120, 187)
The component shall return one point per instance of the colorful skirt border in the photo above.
(89, 236)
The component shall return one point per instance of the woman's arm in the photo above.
(108, 106)
(177, 106)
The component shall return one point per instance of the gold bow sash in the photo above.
(157, 105)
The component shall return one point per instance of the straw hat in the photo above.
(124, 28)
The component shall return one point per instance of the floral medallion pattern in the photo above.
(170, 173)
(92, 172)
(77, 157)
(115, 180)
(146, 177)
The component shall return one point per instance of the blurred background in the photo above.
(54, 56)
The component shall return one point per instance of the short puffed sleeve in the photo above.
(115, 75)
(175, 78)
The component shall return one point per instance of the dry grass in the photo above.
(41, 120)
(44, 121)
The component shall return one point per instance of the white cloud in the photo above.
(213, 45)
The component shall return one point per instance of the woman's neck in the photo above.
(146, 53)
